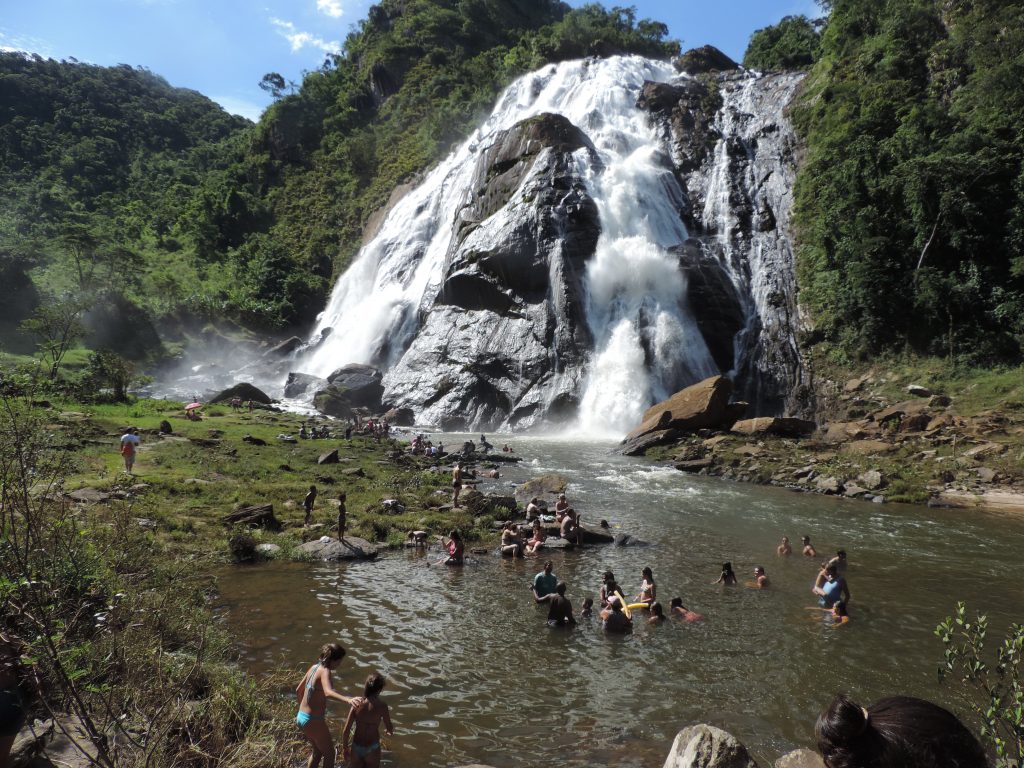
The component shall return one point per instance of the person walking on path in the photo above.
(312, 693)
(307, 504)
(130, 441)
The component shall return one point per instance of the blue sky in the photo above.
(223, 47)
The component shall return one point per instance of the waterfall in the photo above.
(599, 332)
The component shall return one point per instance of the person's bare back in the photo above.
(366, 716)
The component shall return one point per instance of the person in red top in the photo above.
(129, 443)
(455, 549)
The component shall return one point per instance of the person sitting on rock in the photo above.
(511, 544)
(561, 506)
(533, 510)
(570, 526)
(784, 549)
(303, 434)
(537, 540)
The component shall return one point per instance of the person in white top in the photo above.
(129, 443)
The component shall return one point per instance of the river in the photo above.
(475, 675)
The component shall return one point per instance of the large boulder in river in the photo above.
(243, 390)
(704, 405)
(350, 387)
(327, 548)
(705, 746)
(542, 487)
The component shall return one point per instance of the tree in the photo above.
(1001, 688)
(107, 369)
(790, 44)
(274, 84)
(57, 326)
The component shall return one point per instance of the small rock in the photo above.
(807, 471)
(253, 440)
(89, 496)
(196, 481)
(352, 548)
(354, 471)
(879, 499)
(704, 746)
(829, 485)
(800, 758)
(918, 391)
(939, 401)
(872, 479)
(987, 475)
(694, 466)
(268, 550)
(853, 491)
(331, 457)
(145, 522)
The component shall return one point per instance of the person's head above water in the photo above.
(759, 570)
(331, 654)
(727, 567)
(454, 536)
(785, 539)
(560, 588)
(841, 554)
(657, 610)
(647, 573)
(840, 608)
(608, 577)
(374, 684)
(831, 571)
(805, 539)
(897, 732)
(548, 567)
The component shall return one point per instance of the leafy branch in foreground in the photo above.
(998, 695)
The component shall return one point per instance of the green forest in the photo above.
(151, 204)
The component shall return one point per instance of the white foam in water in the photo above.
(634, 307)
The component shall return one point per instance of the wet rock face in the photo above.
(505, 339)
(737, 166)
(350, 387)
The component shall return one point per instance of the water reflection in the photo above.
(475, 675)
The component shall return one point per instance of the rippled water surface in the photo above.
(475, 675)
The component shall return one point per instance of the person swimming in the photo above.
(808, 550)
(784, 549)
(367, 715)
(760, 578)
(727, 577)
(678, 609)
(588, 608)
(657, 613)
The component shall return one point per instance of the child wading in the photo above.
(366, 715)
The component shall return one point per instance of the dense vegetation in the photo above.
(910, 205)
(790, 44)
(131, 195)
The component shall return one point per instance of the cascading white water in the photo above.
(645, 340)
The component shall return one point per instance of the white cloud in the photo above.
(240, 107)
(331, 8)
(23, 44)
(299, 40)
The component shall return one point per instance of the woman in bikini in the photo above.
(312, 693)
(648, 589)
(366, 715)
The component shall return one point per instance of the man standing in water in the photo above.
(559, 607)
(809, 550)
(544, 583)
(784, 549)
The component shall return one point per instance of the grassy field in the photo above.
(186, 481)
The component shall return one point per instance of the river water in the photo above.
(475, 675)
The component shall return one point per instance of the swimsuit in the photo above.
(302, 718)
(362, 751)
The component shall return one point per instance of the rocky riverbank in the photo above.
(867, 446)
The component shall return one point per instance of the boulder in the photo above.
(638, 446)
(352, 548)
(939, 401)
(867, 447)
(349, 388)
(588, 535)
(704, 746)
(707, 58)
(800, 758)
(898, 411)
(918, 391)
(700, 406)
(695, 465)
(267, 549)
(829, 485)
(354, 472)
(242, 547)
(285, 348)
(985, 450)
(256, 516)
(775, 425)
(872, 479)
(400, 417)
(301, 384)
(30, 742)
(474, 501)
(243, 390)
(254, 440)
(557, 542)
(331, 457)
(917, 422)
(89, 496)
(545, 485)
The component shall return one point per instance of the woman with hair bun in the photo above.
(897, 732)
(313, 692)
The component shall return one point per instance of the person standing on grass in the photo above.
(129, 443)
(307, 504)
(342, 516)
(456, 484)
(313, 692)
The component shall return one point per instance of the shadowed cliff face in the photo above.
(614, 232)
